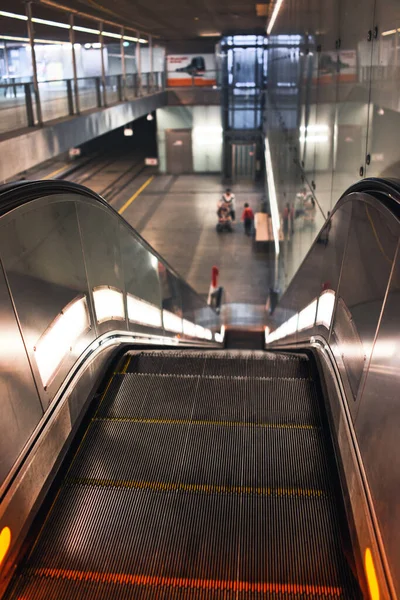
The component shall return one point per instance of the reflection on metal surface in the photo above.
(371, 576)
(276, 10)
(272, 196)
(58, 340)
(5, 541)
(326, 304)
(172, 322)
(143, 312)
(349, 344)
(108, 304)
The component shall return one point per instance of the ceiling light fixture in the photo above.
(4, 13)
(51, 23)
(14, 38)
(118, 36)
(389, 32)
(211, 34)
(274, 16)
(86, 29)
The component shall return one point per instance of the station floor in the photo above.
(177, 216)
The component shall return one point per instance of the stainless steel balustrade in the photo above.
(76, 278)
(343, 304)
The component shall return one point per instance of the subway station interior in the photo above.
(199, 283)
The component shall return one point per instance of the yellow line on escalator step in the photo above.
(200, 488)
(211, 423)
(135, 195)
(126, 365)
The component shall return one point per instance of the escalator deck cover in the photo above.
(199, 476)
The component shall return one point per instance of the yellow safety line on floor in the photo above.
(56, 172)
(135, 195)
(204, 422)
(204, 488)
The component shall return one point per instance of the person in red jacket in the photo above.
(247, 218)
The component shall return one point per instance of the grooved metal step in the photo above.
(199, 476)
(239, 364)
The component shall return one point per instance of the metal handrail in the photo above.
(143, 86)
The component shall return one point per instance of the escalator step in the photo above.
(236, 399)
(256, 460)
(185, 540)
(221, 364)
(198, 477)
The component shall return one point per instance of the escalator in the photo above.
(148, 451)
(199, 475)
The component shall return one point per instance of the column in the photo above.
(74, 69)
(139, 65)
(123, 64)
(34, 68)
(103, 68)
(151, 57)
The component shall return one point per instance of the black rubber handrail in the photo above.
(19, 193)
(385, 190)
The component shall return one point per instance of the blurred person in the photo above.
(228, 198)
(247, 218)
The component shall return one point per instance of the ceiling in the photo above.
(178, 19)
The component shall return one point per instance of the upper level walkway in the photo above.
(70, 117)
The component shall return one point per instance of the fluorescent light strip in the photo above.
(203, 333)
(117, 36)
(274, 15)
(86, 29)
(110, 34)
(272, 196)
(307, 316)
(390, 32)
(326, 304)
(108, 304)
(142, 312)
(59, 339)
(289, 327)
(51, 23)
(172, 323)
(4, 13)
(13, 38)
(189, 328)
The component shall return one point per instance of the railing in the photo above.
(59, 98)
(343, 305)
(77, 286)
